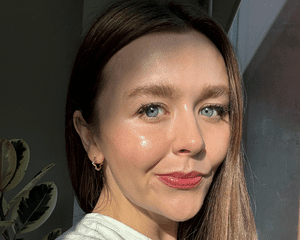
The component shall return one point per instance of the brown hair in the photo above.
(226, 212)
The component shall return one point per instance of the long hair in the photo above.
(226, 212)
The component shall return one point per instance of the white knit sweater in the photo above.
(97, 226)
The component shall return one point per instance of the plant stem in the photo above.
(6, 234)
(6, 237)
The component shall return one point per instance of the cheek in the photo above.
(217, 144)
(133, 147)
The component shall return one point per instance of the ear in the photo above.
(87, 138)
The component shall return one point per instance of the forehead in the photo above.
(153, 57)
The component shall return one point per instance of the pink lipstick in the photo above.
(181, 180)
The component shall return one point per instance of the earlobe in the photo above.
(87, 139)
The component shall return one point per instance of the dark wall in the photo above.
(37, 43)
(272, 129)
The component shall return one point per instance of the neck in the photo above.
(148, 223)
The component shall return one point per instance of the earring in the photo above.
(94, 164)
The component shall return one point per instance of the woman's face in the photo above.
(162, 114)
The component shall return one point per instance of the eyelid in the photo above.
(226, 107)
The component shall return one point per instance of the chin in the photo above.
(182, 215)
(185, 217)
(184, 212)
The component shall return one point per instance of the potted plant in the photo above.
(33, 205)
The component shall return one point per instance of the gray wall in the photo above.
(37, 43)
(272, 127)
(251, 24)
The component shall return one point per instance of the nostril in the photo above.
(184, 151)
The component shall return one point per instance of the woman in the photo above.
(153, 127)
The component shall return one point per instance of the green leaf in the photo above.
(53, 235)
(35, 209)
(4, 225)
(29, 186)
(4, 206)
(22, 150)
(8, 161)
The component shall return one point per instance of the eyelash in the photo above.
(221, 109)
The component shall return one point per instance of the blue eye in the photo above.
(209, 112)
(152, 111)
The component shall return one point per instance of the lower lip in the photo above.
(181, 183)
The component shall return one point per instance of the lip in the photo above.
(181, 180)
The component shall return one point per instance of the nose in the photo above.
(188, 139)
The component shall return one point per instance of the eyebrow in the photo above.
(168, 91)
(214, 91)
(157, 90)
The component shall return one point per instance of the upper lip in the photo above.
(182, 175)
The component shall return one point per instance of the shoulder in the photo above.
(90, 227)
(97, 226)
